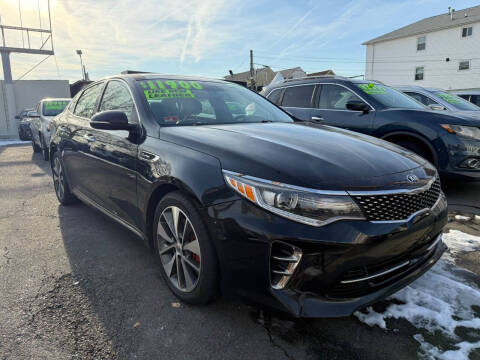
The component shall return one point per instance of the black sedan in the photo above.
(237, 198)
(450, 141)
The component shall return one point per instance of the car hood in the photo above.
(303, 154)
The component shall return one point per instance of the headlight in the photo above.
(465, 131)
(307, 206)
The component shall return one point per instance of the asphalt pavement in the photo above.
(76, 285)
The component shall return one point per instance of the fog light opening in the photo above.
(472, 163)
(284, 259)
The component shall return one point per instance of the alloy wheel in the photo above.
(179, 249)
(58, 178)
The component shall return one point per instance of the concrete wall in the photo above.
(393, 62)
(26, 94)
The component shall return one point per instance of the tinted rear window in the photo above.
(298, 96)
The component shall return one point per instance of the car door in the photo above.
(77, 159)
(114, 156)
(298, 100)
(330, 107)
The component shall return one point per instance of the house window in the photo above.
(421, 43)
(419, 73)
(467, 31)
(464, 65)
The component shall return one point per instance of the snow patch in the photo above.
(440, 300)
(13, 142)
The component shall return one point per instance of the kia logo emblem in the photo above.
(412, 178)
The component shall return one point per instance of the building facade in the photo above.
(442, 51)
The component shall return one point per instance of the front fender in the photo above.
(198, 174)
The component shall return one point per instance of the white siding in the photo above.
(393, 62)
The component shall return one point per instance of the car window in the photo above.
(475, 99)
(425, 100)
(298, 96)
(388, 97)
(185, 102)
(336, 97)
(456, 101)
(117, 97)
(86, 103)
(54, 107)
(274, 96)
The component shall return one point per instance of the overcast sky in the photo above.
(209, 37)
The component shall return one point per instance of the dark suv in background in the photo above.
(450, 142)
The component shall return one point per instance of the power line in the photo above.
(33, 68)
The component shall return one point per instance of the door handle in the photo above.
(317, 118)
(89, 137)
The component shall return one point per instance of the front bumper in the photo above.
(459, 150)
(244, 235)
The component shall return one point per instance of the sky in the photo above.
(206, 37)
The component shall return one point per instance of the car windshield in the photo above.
(389, 97)
(456, 101)
(185, 102)
(54, 107)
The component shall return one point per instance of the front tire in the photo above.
(35, 147)
(45, 154)
(62, 189)
(188, 262)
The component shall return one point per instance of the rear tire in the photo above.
(188, 261)
(62, 189)
(45, 154)
(35, 147)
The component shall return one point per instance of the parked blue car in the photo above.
(449, 141)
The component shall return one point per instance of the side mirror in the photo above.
(111, 120)
(437, 107)
(356, 105)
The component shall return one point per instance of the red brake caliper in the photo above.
(195, 256)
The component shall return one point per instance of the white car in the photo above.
(40, 126)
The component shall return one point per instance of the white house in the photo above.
(441, 51)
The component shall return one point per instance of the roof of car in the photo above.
(315, 79)
(56, 99)
(415, 87)
(146, 76)
(466, 92)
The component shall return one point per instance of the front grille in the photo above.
(381, 274)
(397, 206)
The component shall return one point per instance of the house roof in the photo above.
(434, 23)
(322, 73)
(287, 73)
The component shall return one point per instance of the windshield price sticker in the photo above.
(449, 98)
(157, 90)
(55, 105)
(168, 94)
(372, 89)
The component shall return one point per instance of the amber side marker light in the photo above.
(448, 128)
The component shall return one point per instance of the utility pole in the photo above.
(253, 86)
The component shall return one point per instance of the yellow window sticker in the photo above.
(158, 89)
(372, 89)
(449, 98)
(55, 105)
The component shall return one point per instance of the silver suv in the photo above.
(438, 99)
(46, 110)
